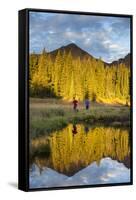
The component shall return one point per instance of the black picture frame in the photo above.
(23, 123)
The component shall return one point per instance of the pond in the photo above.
(80, 155)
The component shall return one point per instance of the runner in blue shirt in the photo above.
(87, 104)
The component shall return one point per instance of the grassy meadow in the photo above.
(50, 114)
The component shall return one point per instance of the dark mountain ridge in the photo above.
(74, 49)
(125, 60)
(76, 52)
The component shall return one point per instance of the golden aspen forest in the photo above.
(65, 77)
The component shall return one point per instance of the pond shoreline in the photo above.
(49, 126)
(53, 116)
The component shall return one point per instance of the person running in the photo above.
(75, 104)
(87, 104)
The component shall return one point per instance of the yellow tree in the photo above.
(40, 78)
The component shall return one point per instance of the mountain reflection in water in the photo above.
(100, 155)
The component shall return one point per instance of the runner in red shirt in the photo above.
(75, 104)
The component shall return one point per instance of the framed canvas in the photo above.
(75, 99)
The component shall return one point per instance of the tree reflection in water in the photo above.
(75, 147)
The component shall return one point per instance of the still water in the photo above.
(80, 155)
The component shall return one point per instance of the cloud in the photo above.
(106, 37)
(109, 171)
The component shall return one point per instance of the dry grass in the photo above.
(47, 115)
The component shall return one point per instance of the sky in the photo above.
(101, 36)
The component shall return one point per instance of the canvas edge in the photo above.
(22, 101)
